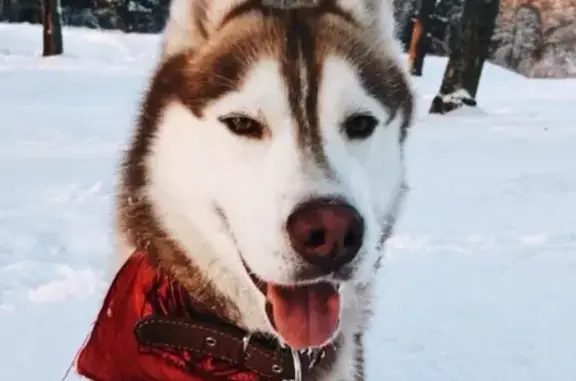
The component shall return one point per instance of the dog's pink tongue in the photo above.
(304, 316)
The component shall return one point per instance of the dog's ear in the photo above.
(374, 14)
(182, 31)
(377, 17)
(382, 17)
(190, 23)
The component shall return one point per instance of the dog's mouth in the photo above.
(304, 316)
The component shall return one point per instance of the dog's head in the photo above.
(272, 140)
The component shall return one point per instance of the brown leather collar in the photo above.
(228, 343)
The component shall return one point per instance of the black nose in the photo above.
(327, 233)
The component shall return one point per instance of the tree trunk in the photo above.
(469, 51)
(419, 42)
(5, 10)
(406, 33)
(52, 33)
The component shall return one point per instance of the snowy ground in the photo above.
(481, 275)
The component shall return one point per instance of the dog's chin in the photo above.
(304, 315)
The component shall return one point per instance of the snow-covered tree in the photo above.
(502, 42)
(558, 53)
(445, 25)
(143, 15)
(527, 39)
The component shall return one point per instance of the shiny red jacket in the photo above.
(112, 352)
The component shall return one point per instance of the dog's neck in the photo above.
(142, 231)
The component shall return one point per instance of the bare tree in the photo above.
(52, 32)
(419, 43)
(470, 50)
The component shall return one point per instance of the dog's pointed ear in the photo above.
(182, 31)
(382, 12)
(190, 22)
(376, 15)
(384, 25)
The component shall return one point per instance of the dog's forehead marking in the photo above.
(290, 4)
(299, 61)
(302, 74)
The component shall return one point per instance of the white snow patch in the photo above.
(534, 239)
(6, 307)
(73, 284)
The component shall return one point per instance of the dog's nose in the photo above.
(327, 233)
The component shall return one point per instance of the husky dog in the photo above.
(267, 169)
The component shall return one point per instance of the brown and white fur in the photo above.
(201, 199)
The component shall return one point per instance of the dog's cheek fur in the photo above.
(185, 150)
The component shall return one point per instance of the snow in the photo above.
(481, 273)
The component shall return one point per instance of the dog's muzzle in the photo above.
(327, 234)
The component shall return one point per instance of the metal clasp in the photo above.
(245, 343)
(297, 366)
(315, 356)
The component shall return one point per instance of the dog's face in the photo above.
(278, 144)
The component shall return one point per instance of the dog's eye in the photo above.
(243, 126)
(359, 126)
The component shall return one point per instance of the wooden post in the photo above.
(469, 51)
(52, 31)
(420, 42)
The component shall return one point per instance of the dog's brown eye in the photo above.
(359, 126)
(244, 126)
